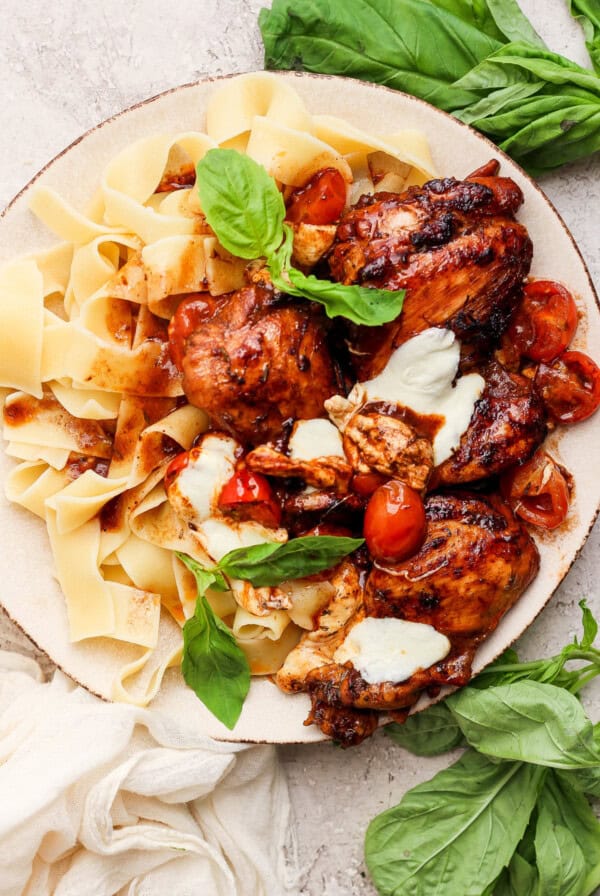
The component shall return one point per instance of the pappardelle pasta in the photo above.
(95, 410)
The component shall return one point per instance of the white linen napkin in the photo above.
(100, 799)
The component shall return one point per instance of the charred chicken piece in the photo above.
(254, 359)
(475, 563)
(322, 472)
(453, 245)
(507, 425)
(382, 443)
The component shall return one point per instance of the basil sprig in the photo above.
(246, 211)
(213, 664)
(510, 817)
(481, 60)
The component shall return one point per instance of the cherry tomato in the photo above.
(545, 322)
(394, 526)
(249, 496)
(178, 464)
(190, 314)
(320, 201)
(570, 387)
(538, 492)
(364, 484)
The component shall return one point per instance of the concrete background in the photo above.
(65, 65)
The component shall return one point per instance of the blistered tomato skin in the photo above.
(190, 314)
(538, 492)
(570, 387)
(545, 322)
(320, 201)
(395, 524)
(249, 496)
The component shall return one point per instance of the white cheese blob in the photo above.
(197, 490)
(202, 480)
(420, 375)
(312, 439)
(391, 649)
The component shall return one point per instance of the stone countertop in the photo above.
(65, 65)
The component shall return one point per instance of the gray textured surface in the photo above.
(66, 65)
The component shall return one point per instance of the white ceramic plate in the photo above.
(29, 592)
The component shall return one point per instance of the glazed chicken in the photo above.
(455, 247)
(507, 425)
(476, 561)
(254, 359)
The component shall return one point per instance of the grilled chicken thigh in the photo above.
(255, 359)
(476, 561)
(507, 425)
(455, 247)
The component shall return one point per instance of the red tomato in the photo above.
(190, 314)
(249, 496)
(570, 387)
(364, 484)
(538, 492)
(545, 322)
(320, 201)
(178, 464)
(395, 525)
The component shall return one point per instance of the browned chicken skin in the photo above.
(476, 561)
(259, 359)
(453, 245)
(507, 426)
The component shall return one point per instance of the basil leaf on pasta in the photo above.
(213, 665)
(241, 202)
(205, 578)
(270, 564)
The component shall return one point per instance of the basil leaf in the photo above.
(427, 733)
(407, 44)
(560, 861)
(569, 808)
(205, 578)
(213, 665)
(270, 564)
(519, 878)
(529, 721)
(241, 202)
(590, 627)
(587, 13)
(363, 305)
(455, 833)
(500, 19)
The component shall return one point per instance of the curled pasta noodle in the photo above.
(21, 326)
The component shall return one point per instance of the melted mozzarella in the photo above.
(201, 481)
(420, 375)
(391, 649)
(198, 488)
(312, 439)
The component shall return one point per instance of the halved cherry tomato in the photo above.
(249, 496)
(364, 484)
(570, 387)
(320, 201)
(178, 464)
(395, 524)
(538, 492)
(545, 322)
(191, 313)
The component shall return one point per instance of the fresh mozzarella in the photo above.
(201, 481)
(391, 649)
(195, 495)
(312, 439)
(420, 375)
